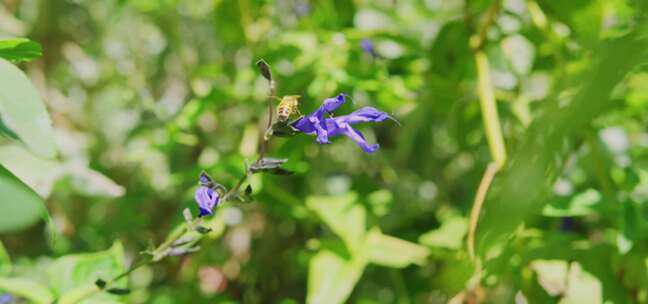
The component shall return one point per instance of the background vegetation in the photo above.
(547, 99)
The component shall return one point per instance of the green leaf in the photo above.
(5, 261)
(19, 49)
(20, 207)
(331, 277)
(519, 191)
(41, 174)
(390, 251)
(38, 173)
(580, 205)
(23, 112)
(582, 287)
(343, 216)
(584, 17)
(28, 289)
(73, 276)
(449, 235)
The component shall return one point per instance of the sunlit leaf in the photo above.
(20, 206)
(74, 273)
(449, 235)
(28, 289)
(19, 49)
(343, 216)
(582, 287)
(331, 277)
(580, 205)
(23, 112)
(390, 251)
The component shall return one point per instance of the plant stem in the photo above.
(489, 110)
(492, 125)
(264, 143)
(159, 252)
(477, 41)
(480, 197)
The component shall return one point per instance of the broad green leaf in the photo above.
(23, 112)
(41, 174)
(19, 49)
(390, 251)
(454, 274)
(78, 294)
(449, 235)
(331, 278)
(28, 289)
(518, 191)
(345, 217)
(5, 261)
(580, 205)
(38, 173)
(20, 207)
(72, 273)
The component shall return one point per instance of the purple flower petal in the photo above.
(336, 127)
(207, 199)
(315, 122)
(331, 104)
(366, 114)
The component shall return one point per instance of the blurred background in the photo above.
(145, 94)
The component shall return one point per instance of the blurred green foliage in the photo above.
(109, 111)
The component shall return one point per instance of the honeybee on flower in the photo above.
(288, 106)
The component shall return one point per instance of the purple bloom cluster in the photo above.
(323, 128)
(206, 196)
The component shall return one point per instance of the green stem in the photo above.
(489, 110)
(160, 252)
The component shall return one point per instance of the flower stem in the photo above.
(159, 252)
(265, 139)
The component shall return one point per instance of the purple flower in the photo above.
(207, 198)
(316, 123)
(6, 298)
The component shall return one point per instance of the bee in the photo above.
(288, 106)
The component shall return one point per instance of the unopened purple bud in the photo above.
(207, 199)
(205, 180)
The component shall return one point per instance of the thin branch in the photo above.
(489, 110)
(480, 197)
(160, 251)
(477, 40)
